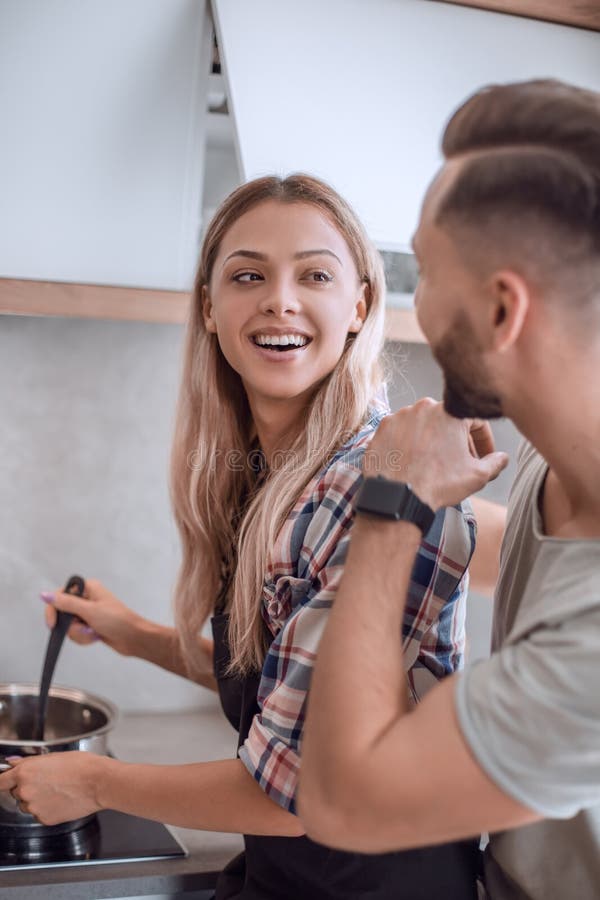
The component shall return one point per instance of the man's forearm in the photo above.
(359, 676)
(375, 776)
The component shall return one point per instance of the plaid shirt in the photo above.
(303, 576)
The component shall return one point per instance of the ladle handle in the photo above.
(75, 585)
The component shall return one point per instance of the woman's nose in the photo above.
(281, 299)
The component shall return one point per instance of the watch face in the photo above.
(382, 497)
(394, 500)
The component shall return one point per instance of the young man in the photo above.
(509, 298)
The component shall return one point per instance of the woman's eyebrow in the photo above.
(302, 254)
(248, 254)
(323, 250)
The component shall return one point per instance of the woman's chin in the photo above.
(276, 394)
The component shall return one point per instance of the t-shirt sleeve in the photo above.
(531, 716)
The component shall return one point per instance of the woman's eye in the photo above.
(246, 277)
(320, 277)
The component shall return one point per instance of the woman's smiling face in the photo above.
(283, 295)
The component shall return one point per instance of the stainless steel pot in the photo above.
(76, 720)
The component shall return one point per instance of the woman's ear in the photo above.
(360, 312)
(510, 304)
(207, 312)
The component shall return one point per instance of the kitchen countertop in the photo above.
(154, 738)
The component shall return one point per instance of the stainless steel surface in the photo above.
(76, 720)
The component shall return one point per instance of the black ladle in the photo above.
(75, 585)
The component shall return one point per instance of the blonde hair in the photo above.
(224, 516)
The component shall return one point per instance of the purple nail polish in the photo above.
(47, 597)
(85, 629)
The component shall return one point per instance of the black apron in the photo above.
(296, 868)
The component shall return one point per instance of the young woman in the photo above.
(281, 392)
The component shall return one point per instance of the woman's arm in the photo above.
(103, 616)
(485, 564)
(491, 519)
(160, 645)
(213, 796)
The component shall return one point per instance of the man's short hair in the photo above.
(531, 175)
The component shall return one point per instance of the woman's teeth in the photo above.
(280, 341)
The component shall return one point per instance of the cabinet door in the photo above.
(102, 106)
(358, 92)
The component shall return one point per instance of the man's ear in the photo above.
(207, 312)
(511, 298)
(360, 312)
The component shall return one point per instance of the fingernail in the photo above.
(85, 629)
(47, 597)
(12, 759)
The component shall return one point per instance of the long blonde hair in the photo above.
(224, 518)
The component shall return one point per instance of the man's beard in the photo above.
(468, 392)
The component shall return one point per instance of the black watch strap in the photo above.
(385, 498)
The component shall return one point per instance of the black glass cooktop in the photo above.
(111, 837)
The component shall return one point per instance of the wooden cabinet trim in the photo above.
(91, 301)
(581, 14)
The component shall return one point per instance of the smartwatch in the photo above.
(385, 498)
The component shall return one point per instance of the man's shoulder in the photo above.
(528, 456)
(530, 467)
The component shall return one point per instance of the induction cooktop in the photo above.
(111, 837)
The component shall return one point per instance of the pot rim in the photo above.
(32, 688)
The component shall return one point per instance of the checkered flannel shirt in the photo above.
(303, 575)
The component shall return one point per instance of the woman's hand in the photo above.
(56, 787)
(104, 617)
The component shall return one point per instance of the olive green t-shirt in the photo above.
(531, 713)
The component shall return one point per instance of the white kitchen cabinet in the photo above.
(357, 92)
(110, 165)
(102, 108)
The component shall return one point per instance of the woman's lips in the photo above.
(279, 356)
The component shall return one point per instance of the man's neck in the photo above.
(564, 426)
